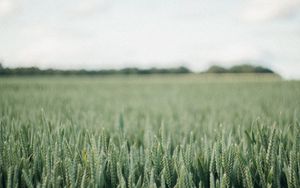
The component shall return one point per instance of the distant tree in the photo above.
(129, 71)
(126, 71)
(244, 68)
(216, 69)
(263, 70)
(183, 69)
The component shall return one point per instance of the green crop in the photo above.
(149, 131)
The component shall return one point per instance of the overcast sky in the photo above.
(120, 33)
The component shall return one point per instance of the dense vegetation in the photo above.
(183, 131)
(29, 71)
(243, 68)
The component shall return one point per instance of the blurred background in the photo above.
(115, 34)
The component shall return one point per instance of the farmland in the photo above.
(149, 131)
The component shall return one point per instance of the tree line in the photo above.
(244, 68)
(124, 71)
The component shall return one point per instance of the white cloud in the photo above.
(7, 7)
(288, 70)
(90, 7)
(235, 53)
(50, 48)
(45, 48)
(266, 10)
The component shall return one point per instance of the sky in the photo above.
(99, 34)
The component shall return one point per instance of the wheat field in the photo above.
(149, 131)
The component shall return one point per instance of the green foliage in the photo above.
(216, 69)
(29, 71)
(170, 133)
(243, 68)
